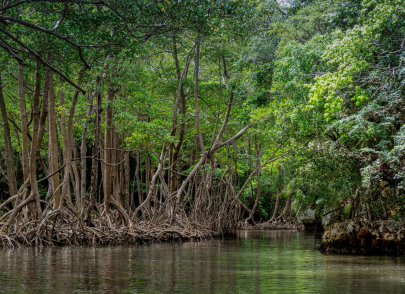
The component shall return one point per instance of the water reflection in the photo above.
(256, 262)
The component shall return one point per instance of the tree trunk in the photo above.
(12, 180)
(35, 145)
(115, 158)
(138, 180)
(69, 142)
(83, 153)
(152, 183)
(273, 217)
(287, 206)
(76, 176)
(127, 181)
(41, 130)
(53, 144)
(256, 203)
(107, 152)
(95, 156)
(174, 151)
(44, 109)
(24, 122)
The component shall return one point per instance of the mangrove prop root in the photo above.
(61, 227)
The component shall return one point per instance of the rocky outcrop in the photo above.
(356, 237)
(310, 220)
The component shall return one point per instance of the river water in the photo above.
(256, 262)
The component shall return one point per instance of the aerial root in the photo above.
(61, 227)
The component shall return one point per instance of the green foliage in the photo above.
(321, 84)
(335, 87)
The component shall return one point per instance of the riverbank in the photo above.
(360, 237)
(69, 234)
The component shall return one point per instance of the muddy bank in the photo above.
(360, 237)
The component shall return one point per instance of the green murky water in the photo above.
(256, 262)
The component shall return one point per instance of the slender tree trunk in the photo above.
(256, 203)
(287, 206)
(83, 152)
(41, 130)
(44, 109)
(152, 183)
(12, 180)
(69, 143)
(138, 180)
(24, 122)
(53, 144)
(174, 151)
(95, 156)
(107, 152)
(200, 141)
(147, 173)
(115, 158)
(76, 176)
(127, 181)
(277, 206)
(65, 140)
(271, 193)
(35, 144)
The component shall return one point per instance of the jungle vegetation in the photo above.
(197, 115)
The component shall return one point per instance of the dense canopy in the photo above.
(207, 114)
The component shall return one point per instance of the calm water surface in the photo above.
(257, 262)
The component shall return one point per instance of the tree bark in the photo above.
(35, 145)
(174, 151)
(24, 122)
(127, 182)
(11, 174)
(69, 141)
(83, 153)
(53, 143)
(138, 180)
(200, 141)
(41, 130)
(95, 155)
(108, 196)
(256, 203)
(152, 183)
(277, 206)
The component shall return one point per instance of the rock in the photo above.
(391, 226)
(307, 216)
(326, 220)
(311, 220)
(350, 228)
(389, 237)
(378, 237)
